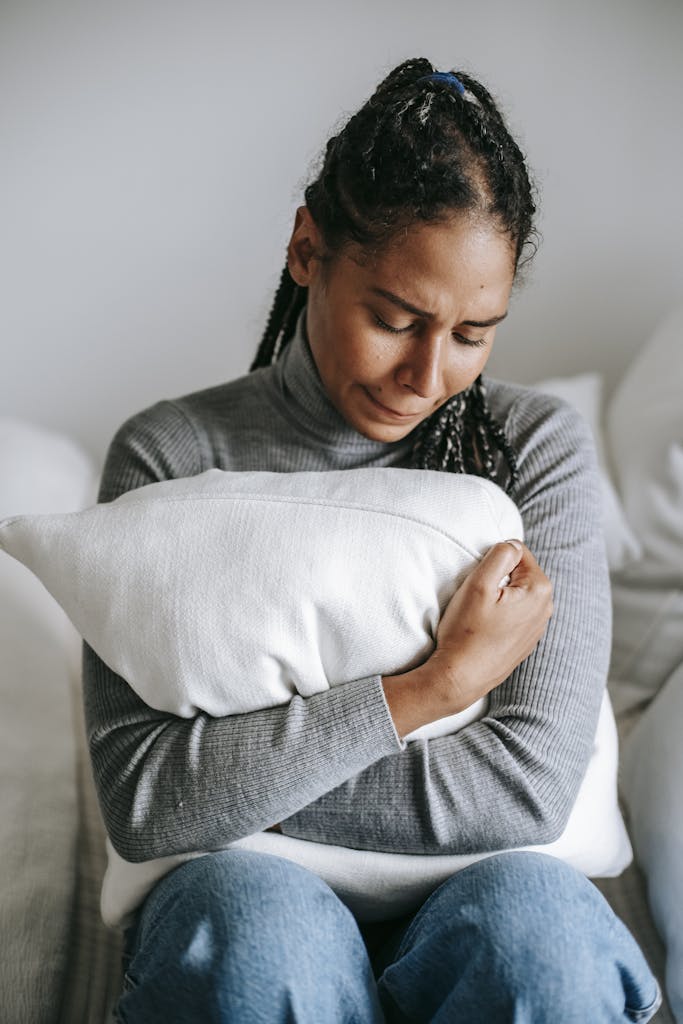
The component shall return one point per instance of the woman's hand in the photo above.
(486, 630)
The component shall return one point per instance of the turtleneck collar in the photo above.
(303, 396)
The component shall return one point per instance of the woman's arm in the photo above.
(168, 784)
(491, 624)
(511, 778)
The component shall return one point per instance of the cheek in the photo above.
(365, 358)
(465, 370)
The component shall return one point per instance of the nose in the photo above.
(421, 369)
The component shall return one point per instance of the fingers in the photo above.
(528, 578)
(500, 561)
(510, 566)
(528, 573)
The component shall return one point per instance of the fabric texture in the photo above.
(92, 978)
(230, 592)
(652, 769)
(645, 429)
(645, 432)
(379, 886)
(627, 896)
(40, 471)
(584, 392)
(518, 936)
(169, 785)
(38, 797)
(647, 645)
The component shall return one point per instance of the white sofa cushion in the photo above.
(644, 421)
(644, 427)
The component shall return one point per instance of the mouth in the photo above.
(401, 417)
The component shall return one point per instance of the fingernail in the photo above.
(515, 544)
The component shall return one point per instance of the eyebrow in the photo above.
(409, 308)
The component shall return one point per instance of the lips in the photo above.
(393, 412)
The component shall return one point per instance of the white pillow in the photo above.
(645, 432)
(286, 583)
(279, 583)
(584, 393)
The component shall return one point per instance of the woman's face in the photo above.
(396, 335)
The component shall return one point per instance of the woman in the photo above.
(399, 269)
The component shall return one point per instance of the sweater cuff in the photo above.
(361, 722)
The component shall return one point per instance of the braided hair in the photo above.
(426, 144)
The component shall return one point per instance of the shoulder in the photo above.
(176, 437)
(540, 425)
(553, 444)
(523, 411)
(203, 409)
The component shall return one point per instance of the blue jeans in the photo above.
(254, 939)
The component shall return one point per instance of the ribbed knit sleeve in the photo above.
(511, 778)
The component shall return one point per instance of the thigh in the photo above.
(516, 937)
(242, 936)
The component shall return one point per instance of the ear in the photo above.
(304, 249)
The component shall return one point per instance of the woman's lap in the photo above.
(248, 937)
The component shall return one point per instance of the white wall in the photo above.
(152, 155)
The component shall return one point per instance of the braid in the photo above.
(439, 443)
(492, 436)
(508, 179)
(288, 302)
(463, 437)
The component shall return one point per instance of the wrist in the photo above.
(423, 694)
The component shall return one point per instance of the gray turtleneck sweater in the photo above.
(330, 768)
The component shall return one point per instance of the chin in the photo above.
(384, 432)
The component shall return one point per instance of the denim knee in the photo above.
(521, 937)
(244, 936)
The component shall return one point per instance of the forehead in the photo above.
(442, 267)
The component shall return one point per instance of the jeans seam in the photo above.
(411, 928)
(646, 1012)
(639, 1013)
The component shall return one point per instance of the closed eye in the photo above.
(463, 339)
(392, 330)
(474, 342)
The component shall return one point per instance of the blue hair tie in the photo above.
(445, 76)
